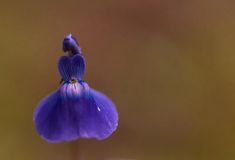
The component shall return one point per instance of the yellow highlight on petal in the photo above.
(73, 81)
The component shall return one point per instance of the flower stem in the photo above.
(74, 151)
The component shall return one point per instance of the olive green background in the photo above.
(169, 66)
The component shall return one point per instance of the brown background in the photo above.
(168, 66)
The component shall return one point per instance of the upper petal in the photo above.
(78, 66)
(64, 66)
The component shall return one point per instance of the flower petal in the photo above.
(64, 66)
(55, 121)
(60, 117)
(78, 66)
(98, 117)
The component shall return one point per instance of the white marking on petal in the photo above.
(71, 90)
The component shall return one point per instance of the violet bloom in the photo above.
(74, 110)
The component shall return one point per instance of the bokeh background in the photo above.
(168, 66)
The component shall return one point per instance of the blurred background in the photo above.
(168, 66)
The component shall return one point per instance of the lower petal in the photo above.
(90, 115)
(98, 118)
(54, 120)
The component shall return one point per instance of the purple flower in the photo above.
(74, 110)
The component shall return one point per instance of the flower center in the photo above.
(73, 81)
